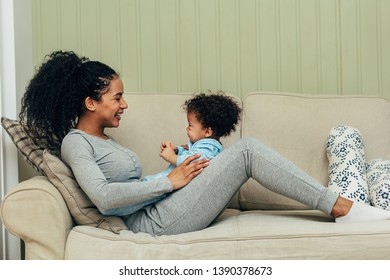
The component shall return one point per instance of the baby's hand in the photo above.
(185, 146)
(168, 144)
(168, 154)
(173, 147)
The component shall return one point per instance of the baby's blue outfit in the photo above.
(207, 148)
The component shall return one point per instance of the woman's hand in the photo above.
(185, 172)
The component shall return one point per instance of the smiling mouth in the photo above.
(118, 116)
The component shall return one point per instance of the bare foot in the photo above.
(341, 207)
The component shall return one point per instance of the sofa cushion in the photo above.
(80, 206)
(297, 127)
(378, 178)
(30, 150)
(347, 163)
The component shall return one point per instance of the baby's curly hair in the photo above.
(54, 98)
(215, 110)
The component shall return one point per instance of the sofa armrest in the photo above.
(35, 211)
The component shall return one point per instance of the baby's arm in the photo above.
(206, 149)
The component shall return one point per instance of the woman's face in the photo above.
(112, 105)
(195, 129)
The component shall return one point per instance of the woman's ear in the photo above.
(90, 104)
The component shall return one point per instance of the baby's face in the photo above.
(195, 130)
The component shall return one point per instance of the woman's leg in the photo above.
(195, 206)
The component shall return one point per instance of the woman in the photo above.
(71, 101)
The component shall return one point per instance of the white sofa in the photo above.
(258, 224)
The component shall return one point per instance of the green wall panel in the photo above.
(304, 46)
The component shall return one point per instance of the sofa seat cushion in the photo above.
(297, 234)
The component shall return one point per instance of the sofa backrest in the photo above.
(297, 127)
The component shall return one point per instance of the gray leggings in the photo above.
(196, 205)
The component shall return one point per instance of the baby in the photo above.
(210, 117)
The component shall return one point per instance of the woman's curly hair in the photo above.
(215, 110)
(54, 98)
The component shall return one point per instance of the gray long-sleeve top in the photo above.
(108, 173)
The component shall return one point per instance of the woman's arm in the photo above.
(104, 194)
